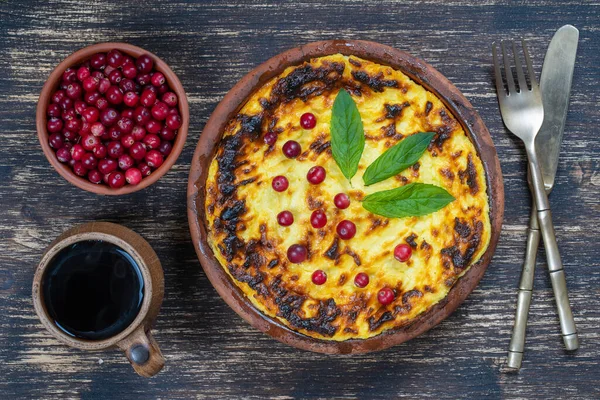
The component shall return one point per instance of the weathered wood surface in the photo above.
(210, 352)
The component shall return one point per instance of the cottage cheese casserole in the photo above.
(241, 205)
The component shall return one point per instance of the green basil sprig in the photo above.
(347, 134)
(412, 200)
(398, 157)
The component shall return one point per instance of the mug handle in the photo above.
(143, 353)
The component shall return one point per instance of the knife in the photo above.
(555, 85)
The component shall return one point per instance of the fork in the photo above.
(523, 113)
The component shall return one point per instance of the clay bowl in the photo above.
(51, 85)
(422, 73)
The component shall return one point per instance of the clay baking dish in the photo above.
(52, 83)
(419, 71)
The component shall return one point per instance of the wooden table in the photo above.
(210, 351)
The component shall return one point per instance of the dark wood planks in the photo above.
(212, 353)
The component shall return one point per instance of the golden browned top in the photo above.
(241, 206)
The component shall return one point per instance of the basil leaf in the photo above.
(398, 157)
(347, 134)
(412, 200)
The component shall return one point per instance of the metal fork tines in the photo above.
(523, 113)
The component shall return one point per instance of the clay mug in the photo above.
(135, 340)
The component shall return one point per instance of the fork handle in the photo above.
(517, 342)
(557, 273)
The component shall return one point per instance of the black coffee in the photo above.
(93, 290)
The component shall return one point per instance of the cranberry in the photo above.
(68, 115)
(280, 183)
(154, 126)
(100, 151)
(131, 99)
(107, 165)
(109, 117)
(143, 79)
(74, 90)
(297, 253)
(73, 125)
(94, 176)
(56, 140)
(165, 148)
(80, 106)
(148, 98)
(285, 218)
(129, 70)
(316, 175)
(83, 73)
(58, 96)
(158, 79)
(114, 133)
(63, 154)
(346, 229)
(402, 252)
(341, 201)
(138, 133)
(89, 142)
(115, 77)
(270, 138)
(386, 296)
(97, 129)
(164, 88)
(170, 99)
(141, 115)
(114, 95)
(108, 70)
(115, 149)
(152, 141)
(125, 125)
(54, 125)
(126, 162)
(98, 61)
(167, 134)
(160, 110)
(319, 277)
(104, 85)
(89, 161)
(127, 113)
(144, 169)
(53, 110)
(98, 74)
(69, 75)
(90, 114)
(114, 58)
(127, 60)
(154, 158)
(79, 169)
(318, 219)
(308, 120)
(173, 121)
(133, 176)
(291, 149)
(102, 104)
(137, 151)
(361, 280)
(72, 136)
(90, 84)
(144, 63)
(91, 98)
(66, 103)
(116, 179)
(77, 151)
(127, 85)
(127, 141)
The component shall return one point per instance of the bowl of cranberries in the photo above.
(112, 118)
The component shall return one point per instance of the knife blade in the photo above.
(555, 85)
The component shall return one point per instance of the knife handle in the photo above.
(559, 283)
(517, 342)
(555, 266)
